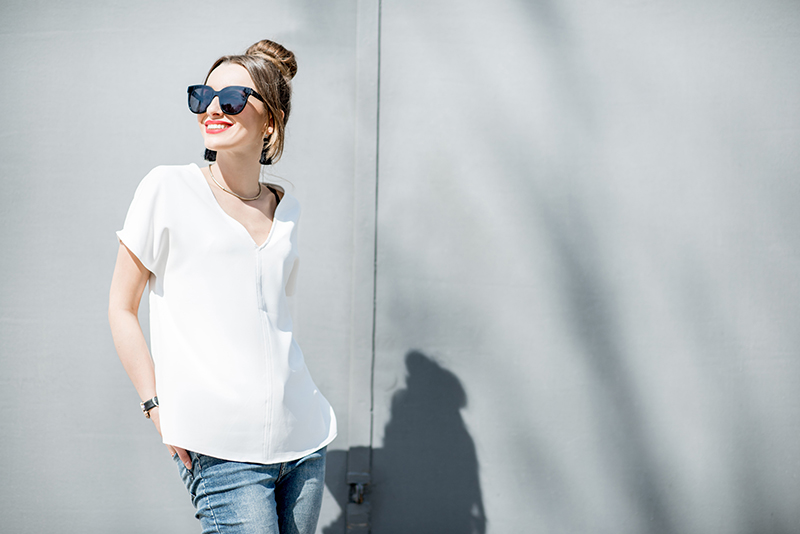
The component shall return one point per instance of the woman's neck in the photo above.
(238, 174)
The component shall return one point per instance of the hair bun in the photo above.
(278, 55)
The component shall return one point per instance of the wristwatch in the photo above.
(148, 405)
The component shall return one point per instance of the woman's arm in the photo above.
(127, 286)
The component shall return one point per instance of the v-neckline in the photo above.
(235, 222)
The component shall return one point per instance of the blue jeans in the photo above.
(241, 498)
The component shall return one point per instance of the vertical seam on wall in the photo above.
(375, 237)
(363, 368)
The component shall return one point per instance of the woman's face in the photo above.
(242, 133)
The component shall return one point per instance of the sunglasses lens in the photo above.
(200, 96)
(232, 100)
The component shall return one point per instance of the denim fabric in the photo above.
(242, 498)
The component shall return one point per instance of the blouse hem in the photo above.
(287, 457)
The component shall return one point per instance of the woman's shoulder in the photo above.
(169, 177)
(172, 172)
(288, 203)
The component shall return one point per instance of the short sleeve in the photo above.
(145, 232)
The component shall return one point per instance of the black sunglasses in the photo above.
(232, 99)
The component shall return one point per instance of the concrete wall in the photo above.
(588, 233)
(580, 219)
(97, 93)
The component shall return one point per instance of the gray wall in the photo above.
(581, 222)
(588, 214)
(97, 91)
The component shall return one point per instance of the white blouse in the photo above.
(231, 379)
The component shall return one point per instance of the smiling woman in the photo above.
(226, 387)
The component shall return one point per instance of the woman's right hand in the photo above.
(182, 454)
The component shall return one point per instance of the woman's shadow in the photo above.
(425, 478)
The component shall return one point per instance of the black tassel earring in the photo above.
(210, 155)
(265, 160)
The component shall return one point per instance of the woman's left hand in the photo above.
(182, 454)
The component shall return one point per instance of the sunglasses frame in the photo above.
(219, 94)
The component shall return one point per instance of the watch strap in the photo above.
(149, 405)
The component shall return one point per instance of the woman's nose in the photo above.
(214, 108)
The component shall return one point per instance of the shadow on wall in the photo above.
(425, 478)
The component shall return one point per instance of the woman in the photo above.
(226, 387)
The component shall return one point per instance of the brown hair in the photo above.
(271, 67)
